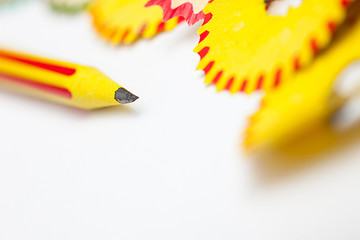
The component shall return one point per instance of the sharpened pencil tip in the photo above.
(124, 96)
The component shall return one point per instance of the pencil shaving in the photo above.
(191, 10)
(243, 49)
(308, 100)
(69, 6)
(128, 20)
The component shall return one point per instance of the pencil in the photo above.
(67, 83)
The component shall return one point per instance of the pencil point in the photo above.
(124, 96)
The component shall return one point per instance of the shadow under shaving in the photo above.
(300, 154)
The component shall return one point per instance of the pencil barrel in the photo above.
(67, 83)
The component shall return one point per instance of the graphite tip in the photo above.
(124, 96)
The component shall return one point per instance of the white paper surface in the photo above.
(169, 166)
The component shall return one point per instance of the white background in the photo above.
(169, 166)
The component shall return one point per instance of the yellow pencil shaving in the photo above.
(244, 49)
(306, 102)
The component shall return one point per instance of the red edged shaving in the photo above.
(185, 10)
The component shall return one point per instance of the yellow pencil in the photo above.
(67, 83)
